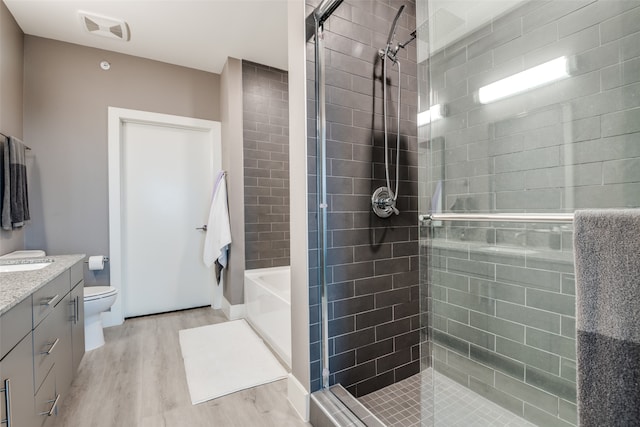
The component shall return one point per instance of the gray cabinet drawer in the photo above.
(48, 296)
(15, 324)
(46, 401)
(16, 377)
(49, 340)
(63, 316)
(77, 273)
(52, 343)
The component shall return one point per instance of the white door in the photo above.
(167, 167)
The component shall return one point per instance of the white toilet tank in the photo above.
(24, 254)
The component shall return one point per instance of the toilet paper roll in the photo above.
(96, 262)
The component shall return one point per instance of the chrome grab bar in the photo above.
(7, 402)
(53, 407)
(534, 217)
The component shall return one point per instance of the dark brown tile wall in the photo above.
(372, 272)
(266, 165)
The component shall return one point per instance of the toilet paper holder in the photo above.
(104, 258)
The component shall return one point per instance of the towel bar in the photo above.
(26, 147)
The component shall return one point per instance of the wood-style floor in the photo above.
(137, 379)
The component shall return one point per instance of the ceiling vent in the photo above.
(105, 26)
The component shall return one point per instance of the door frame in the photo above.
(117, 118)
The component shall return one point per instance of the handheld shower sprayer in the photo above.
(383, 200)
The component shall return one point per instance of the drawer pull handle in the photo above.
(51, 411)
(7, 402)
(55, 343)
(73, 307)
(52, 301)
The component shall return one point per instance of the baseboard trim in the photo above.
(298, 397)
(233, 312)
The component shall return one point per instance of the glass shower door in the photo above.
(529, 109)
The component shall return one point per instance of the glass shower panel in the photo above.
(528, 107)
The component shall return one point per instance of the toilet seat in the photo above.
(92, 293)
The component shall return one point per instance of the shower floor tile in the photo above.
(410, 403)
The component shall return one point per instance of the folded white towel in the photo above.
(218, 238)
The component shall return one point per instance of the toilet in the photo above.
(97, 299)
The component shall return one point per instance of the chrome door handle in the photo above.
(7, 402)
(204, 228)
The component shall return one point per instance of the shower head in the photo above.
(392, 30)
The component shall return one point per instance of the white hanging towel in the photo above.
(218, 238)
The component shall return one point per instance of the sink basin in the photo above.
(9, 268)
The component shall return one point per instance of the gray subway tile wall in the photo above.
(266, 165)
(503, 295)
(372, 272)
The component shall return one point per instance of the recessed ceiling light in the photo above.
(104, 26)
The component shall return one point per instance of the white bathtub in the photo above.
(267, 298)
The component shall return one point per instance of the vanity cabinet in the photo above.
(36, 372)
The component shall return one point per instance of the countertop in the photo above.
(16, 286)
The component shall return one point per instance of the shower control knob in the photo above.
(383, 203)
(203, 228)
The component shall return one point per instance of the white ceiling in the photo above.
(199, 34)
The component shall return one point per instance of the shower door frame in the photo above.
(317, 18)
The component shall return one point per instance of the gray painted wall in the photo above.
(11, 79)
(266, 165)
(65, 114)
(299, 382)
(232, 155)
(374, 327)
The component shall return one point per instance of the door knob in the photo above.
(204, 228)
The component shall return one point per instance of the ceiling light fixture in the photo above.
(526, 80)
(104, 26)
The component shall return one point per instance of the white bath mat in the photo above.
(224, 358)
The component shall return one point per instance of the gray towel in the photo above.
(15, 200)
(607, 256)
(5, 190)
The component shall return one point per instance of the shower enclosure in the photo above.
(514, 114)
